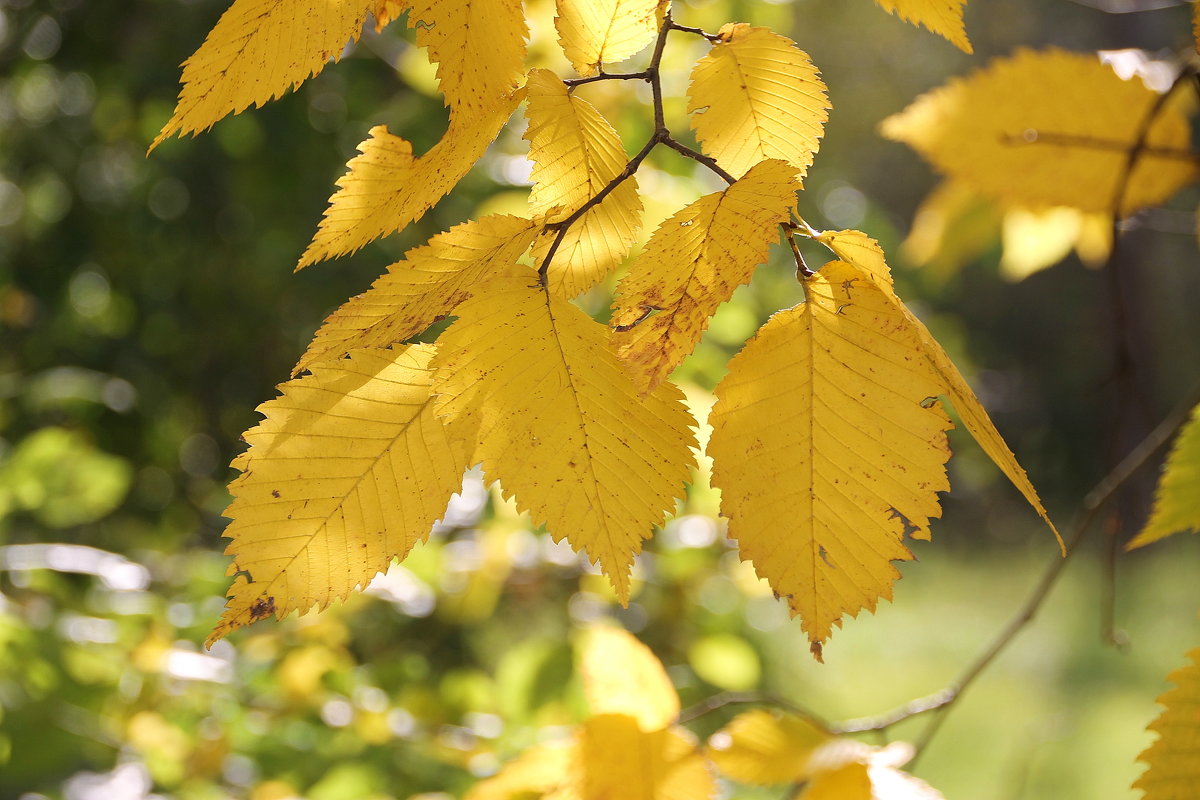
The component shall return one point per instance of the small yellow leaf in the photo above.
(1173, 760)
(693, 263)
(595, 32)
(855, 247)
(757, 96)
(1177, 498)
(328, 494)
(829, 447)
(763, 748)
(619, 760)
(257, 51)
(622, 676)
(534, 384)
(943, 17)
(479, 47)
(387, 187)
(428, 284)
(575, 153)
(1049, 128)
(1036, 240)
(534, 773)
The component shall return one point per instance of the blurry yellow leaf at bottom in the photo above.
(762, 748)
(534, 773)
(619, 760)
(622, 676)
(1173, 761)
(329, 493)
(1177, 498)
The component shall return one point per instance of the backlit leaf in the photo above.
(479, 47)
(622, 676)
(845, 769)
(619, 760)
(534, 385)
(1177, 498)
(943, 17)
(595, 32)
(757, 96)
(349, 469)
(256, 52)
(1049, 128)
(855, 247)
(829, 447)
(575, 153)
(387, 187)
(426, 285)
(762, 748)
(1173, 760)
(693, 263)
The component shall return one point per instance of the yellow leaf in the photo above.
(385, 11)
(762, 748)
(1036, 240)
(1049, 128)
(1173, 760)
(943, 17)
(855, 247)
(828, 446)
(534, 384)
(479, 47)
(428, 284)
(329, 494)
(535, 772)
(757, 96)
(844, 769)
(257, 51)
(693, 263)
(1177, 498)
(575, 153)
(387, 187)
(953, 226)
(618, 760)
(622, 676)
(595, 32)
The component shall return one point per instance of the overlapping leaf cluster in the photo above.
(829, 436)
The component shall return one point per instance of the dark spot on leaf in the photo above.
(274, 493)
(262, 608)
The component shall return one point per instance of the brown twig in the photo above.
(608, 76)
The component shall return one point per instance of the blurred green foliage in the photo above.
(147, 306)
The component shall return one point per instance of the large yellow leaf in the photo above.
(349, 469)
(693, 263)
(619, 760)
(534, 385)
(943, 17)
(426, 285)
(595, 32)
(1173, 761)
(257, 51)
(1177, 498)
(829, 446)
(757, 96)
(763, 748)
(622, 676)
(1049, 128)
(387, 187)
(575, 153)
(479, 47)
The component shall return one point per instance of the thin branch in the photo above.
(1034, 137)
(724, 699)
(608, 76)
(711, 163)
(712, 37)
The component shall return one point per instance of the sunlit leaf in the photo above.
(534, 385)
(595, 32)
(693, 263)
(943, 17)
(622, 676)
(757, 96)
(855, 247)
(763, 748)
(534, 773)
(1173, 760)
(1177, 498)
(348, 470)
(1050, 128)
(618, 759)
(256, 52)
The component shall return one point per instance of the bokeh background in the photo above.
(148, 304)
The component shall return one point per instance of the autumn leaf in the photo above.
(855, 247)
(479, 47)
(426, 285)
(829, 447)
(1177, 498)
(943, 17)
(1173, 760)
(693, 263)
(388, 187)
(534, 385)
(331, 490)
(387, 11)
(757, 96)
(256, 52)
(622, 676)
(1049, 128)
(595, 32)
(575, 154)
